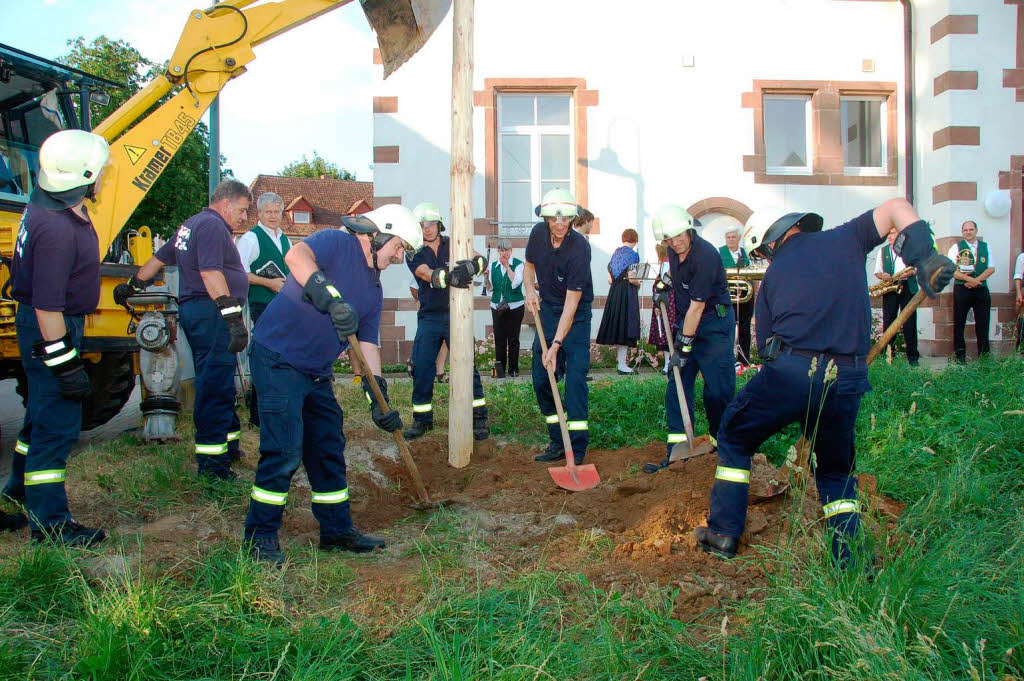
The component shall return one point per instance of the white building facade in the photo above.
(723, 107)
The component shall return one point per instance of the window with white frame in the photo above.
(300, 217)
(864, 135)
(534, 155)
(788, 139)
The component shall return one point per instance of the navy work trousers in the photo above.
(217, 428)
(780, 394)
(575, 350)
(15, 487)
(300, 422)
(712, 356)
(55, 421)
(431, 331)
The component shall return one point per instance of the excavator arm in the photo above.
(215, 46)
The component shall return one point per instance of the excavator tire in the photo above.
(113, 380)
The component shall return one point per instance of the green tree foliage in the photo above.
(315, 168)
(181, 190)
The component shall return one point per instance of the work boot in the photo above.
(236, 455)
(12, 522)
(480, 431)
(716, 544)
(655, 467)
(578, 458)
(417, 429)
(69, 534)
(554, 452)
(353, 540)
(266, 550)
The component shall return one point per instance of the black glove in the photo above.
(684, 351)
(389, 421)
(461, 276)
(62, 358)
(479, 263)
(660, 294)
(439, 278)
(134, 287)
(231, 310)
(916, 245)
(325, 297)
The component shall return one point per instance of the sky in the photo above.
(308, 89)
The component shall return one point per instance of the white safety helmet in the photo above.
(429, 212)
(767, 225)
(557, 203)
(388, 221)
(70, 162)
(671, 220)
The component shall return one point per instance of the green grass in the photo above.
(946, 603)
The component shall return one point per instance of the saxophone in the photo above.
(892, 285)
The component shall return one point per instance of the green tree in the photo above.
(182, 189)
(315, 168)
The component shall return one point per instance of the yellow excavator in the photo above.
(36, 99)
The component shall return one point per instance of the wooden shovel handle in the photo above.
(687, 424)
(896, 325)
(562, 425)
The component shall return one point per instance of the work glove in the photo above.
(134, 287)
(439, 278)
(322, 294)
(684, 351)
(916, 245)
(389, 421)
(461, 276)
(660, 294)
(61, 357)
(231, 311)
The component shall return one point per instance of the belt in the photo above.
(839, 360)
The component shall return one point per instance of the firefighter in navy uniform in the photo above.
(211, 291)
(814, 341)
(333, 292)
(558, 257)
(704, 334)
(55, 278)
(430, 267)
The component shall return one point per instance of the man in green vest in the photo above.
(734, 256)
(262, 250)
(505, 278)
(890, 267)
(974, 266)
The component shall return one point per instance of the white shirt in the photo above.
(1018, 269)
(954, 253)
(517, 280)
(897, 261)
(248, 244)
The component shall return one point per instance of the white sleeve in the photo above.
(878, 261)
(1018, 269)
(953, 252)
(517, 276)
(248, 249)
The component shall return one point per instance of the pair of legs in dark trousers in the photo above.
(744, 314)
(217, 428)
(575, 350)
(55, 424)
(713, 357)
(780, 394)
(506, 337)
(300, 422)
(892, 303)
(964, 300)
(251, 399)
(431, 331)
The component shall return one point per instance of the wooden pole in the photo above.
(460, 399)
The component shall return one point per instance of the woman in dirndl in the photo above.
(620, 323)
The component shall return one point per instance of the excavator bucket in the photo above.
(403, 26)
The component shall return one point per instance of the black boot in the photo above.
(499, 370)
(266, 550)
(655, 467)
(12, 522)
(480, 431)
(554, 452)
(417, 429)
(353, 540)
(69, 534)
(716, 544)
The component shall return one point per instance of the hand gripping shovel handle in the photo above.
(403, 446)
(570, 459)
(687, 424)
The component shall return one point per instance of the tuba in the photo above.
(740, 281)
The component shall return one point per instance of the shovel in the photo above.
(803, 446)
(571, 477)
(682, 451)
(403, 446)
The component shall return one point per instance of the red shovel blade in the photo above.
(576, 478)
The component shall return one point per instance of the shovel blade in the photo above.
(681, 451)
(576, 478)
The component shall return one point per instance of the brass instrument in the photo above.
(740, 281)
(892, 285)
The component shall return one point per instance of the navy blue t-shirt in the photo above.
(204, 242)
(56, 265)
(701, 277)
(815, 292)
(305, 337)
(431, 299)
(562, 269)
